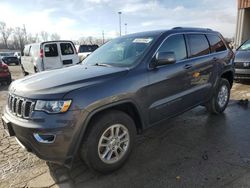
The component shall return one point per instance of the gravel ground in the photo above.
(164, 156)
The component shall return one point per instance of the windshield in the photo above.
(121, 52)
(245, 46)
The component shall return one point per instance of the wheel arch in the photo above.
(229, 75)
(127, 106)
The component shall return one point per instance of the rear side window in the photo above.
(50, 50)
(66, 49)
(216, 44)
(198, 45)
(176, 44)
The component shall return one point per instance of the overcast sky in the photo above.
(73, 19)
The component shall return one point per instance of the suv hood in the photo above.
(55, 84)
(242, 56)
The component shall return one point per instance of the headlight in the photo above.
(53, 106)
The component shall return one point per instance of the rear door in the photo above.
(200, 69)
(68, 54)
(51, 57)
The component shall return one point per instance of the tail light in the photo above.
(41, 53)
(4, 67)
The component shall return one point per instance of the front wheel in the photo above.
(109, 141)
(9, 80)
(220, 98)
(24, 72)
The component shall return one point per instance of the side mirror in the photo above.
(164, 58)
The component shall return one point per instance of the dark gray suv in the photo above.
(96, 108)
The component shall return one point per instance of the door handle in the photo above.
(187, 66)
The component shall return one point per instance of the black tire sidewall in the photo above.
(89, 151)
(9, 80)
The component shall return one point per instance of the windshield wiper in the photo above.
(103, 64)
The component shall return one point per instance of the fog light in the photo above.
(45, 138)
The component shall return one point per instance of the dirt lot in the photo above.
(192, 150)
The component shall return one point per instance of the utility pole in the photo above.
(102, 36)
(126, 28)
(120, 22)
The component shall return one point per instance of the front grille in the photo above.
(240, 65)
(20, 107)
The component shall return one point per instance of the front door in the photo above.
(167, 82)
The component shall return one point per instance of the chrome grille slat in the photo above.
(20, 107)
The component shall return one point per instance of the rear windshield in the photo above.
(66, 49)
(50, 50)
(87, 48)
(245, 46)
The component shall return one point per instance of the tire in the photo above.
(24, 72)
(9, 80)
(91, 149)
(220, 98)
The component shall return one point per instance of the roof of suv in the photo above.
(173, 30)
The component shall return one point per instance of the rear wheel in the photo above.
(220, 99)
(109, 141)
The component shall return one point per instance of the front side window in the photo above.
(176, 44)
(50, 50)
(216, 44)
(66, 49)
(198, 45)
(121, 52)
(26, 50)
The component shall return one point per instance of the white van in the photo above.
(48, 55)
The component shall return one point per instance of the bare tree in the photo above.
(55, 36)
(44, 35)
(19, 37)
(5, 32)
(90, 40)
(32, 38)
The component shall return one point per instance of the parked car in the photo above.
(242, 61)
(48, 55)
(131, 83)
(84, 50)
(9, 58)
(5, 75)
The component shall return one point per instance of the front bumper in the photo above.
(65, 127)
(242, 74)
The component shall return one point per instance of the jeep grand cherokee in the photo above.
(131, 83)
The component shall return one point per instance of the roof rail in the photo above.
(192, 28)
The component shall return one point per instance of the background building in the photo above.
(243, 22)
